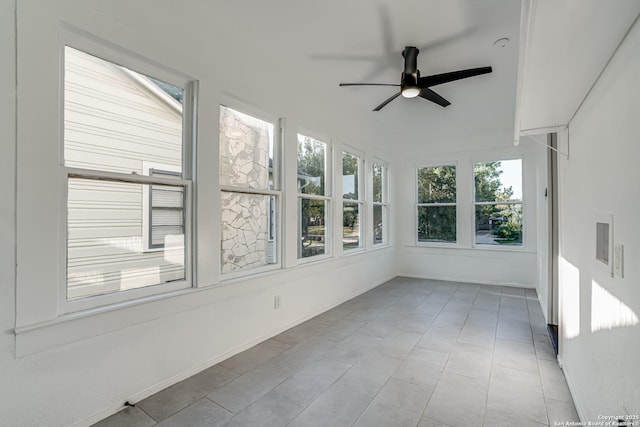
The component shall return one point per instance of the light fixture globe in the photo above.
(410, 91)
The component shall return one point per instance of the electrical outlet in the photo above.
(276, 302)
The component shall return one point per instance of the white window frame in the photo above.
(135, 63)
(480, 246)
(438, 204)
(360, 201)
(278, 132)
(327, 198)
(383, 203)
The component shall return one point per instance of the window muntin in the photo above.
(352, 202)
(313, 197)
(115, 120)
(436, 207)
(250, 197)
(380, 205)
(498, 203)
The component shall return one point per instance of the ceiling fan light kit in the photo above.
(412, 85)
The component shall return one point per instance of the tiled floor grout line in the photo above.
(493, 352)
(431, 312)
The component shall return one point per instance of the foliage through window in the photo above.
(250, 194)
(116, 120)
(498, 203)
(352, 203)
(313, 197)
(380, 204)
(436, 208)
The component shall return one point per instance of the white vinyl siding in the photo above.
(118, 121)
(113, 122)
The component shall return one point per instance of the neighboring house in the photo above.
(121, 235)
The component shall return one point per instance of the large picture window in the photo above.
(380, 203)
(250, 195)
(352, 201)
(498, 203)
(313, 197)
(436, 207)
(115, 121)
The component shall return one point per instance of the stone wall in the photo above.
(244, 162)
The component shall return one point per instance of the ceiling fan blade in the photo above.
(368, 84)
(391, 98)
(410, 54)
(430, 95)
(438, 79)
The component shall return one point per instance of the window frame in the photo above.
(327, 198)
(145, 67)
(488, 247)
(455, 204)
(383, 203)
(360, 201)
(277, 192)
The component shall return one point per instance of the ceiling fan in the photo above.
(412, 85)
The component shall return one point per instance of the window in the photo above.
(436, 207)
(380, 203)
(352, 201)
(313, 197)
(162, 208)
(498, 202)
(250, 196)
(116, 121)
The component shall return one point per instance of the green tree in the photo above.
(311, 180)
(505, 220)
(437, 185)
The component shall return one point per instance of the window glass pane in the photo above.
(437, 184)
(350, 174)
(498, 181)
(246, 150)
(499, 224)
(116, 118)
(378, 230)
(311, 227)
(437, 224)
(105, 250)
(311, 166)
(351, 226)
(377, 182)
(248, 237)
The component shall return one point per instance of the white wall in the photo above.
(77, 369)
(499, 266)
(600, 334)
(7, 183)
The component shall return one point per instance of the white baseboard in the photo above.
(478, 282)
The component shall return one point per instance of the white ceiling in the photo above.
(318, 44)
(332, 41)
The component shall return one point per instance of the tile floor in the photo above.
(408, 353)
